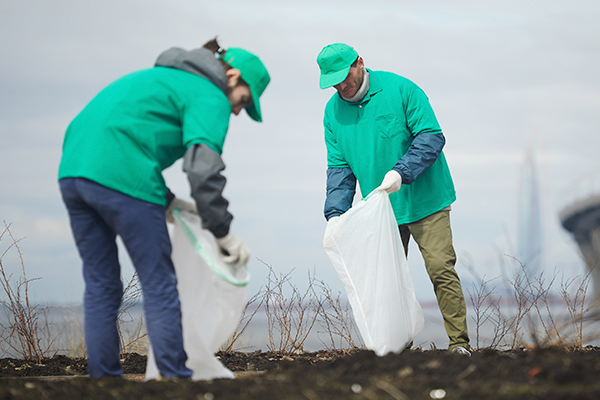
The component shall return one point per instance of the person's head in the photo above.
(247, 78)
(342, 68)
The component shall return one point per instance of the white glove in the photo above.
(333, 219)
(181, 205)
(238, 251)
(391, 182)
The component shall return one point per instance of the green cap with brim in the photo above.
(335, 61)
(253, 72)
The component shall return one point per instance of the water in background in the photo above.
(62, 331)
(433, 335)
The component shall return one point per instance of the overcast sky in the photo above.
(499, 74)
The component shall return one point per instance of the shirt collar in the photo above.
(374, 88)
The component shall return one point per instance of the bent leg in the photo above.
(144, 233)
(434, 237)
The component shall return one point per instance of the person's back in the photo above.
(138, 126)
(111, 182)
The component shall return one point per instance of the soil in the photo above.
(435, 374)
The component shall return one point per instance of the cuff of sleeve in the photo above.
(404, 172)
(331, 215)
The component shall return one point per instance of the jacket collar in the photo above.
(201, 62)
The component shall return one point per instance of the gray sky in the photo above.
(499, 74)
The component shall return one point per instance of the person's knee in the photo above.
(441, 268)
(160, 289)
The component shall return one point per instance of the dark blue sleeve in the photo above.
(423, 152)
(341, 186)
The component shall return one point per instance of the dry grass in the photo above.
(535, 310)
(289, 319)
(22, 333)
(250, 309)
(135, 340)
(526, 316)
(337, 321)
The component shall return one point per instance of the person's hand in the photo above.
(391, 182)
(181, 205)
(237, 251)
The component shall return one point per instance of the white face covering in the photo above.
(362, 90)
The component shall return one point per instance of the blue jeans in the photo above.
(97, 216)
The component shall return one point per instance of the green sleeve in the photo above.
(420, 117)
(206, 120)
(335, 159)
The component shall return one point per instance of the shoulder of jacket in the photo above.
(388, 77)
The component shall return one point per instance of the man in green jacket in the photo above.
(111, 181)
(381, 130)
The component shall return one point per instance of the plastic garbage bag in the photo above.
(366, 251)
(212, 298)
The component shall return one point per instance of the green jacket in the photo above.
(141, 124)
(371, 136)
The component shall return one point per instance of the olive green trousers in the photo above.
(433, 235)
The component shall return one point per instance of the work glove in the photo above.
(237, 251)
(391, 182)
(181, 205)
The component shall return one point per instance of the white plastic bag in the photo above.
(210, 305)
(365, 249)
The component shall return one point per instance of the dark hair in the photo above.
(214, 46)
(354, 64)
(217, 50)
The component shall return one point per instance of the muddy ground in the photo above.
(435, 374)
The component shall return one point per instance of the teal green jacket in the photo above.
(140, 125)
(143, 122)
(367, 139)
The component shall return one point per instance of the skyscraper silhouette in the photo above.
(530, 240)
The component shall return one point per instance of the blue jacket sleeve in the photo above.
(423, 152)
(341, 187)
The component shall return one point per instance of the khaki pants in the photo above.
(433, 235)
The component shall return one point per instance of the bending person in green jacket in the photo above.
(111, 181)
(381, 130)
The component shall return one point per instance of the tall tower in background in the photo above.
(530, 240)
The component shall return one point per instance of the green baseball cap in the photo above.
(335, 61)
(253, 72)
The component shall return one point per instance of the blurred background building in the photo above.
(580, 216)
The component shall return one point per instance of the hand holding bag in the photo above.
(366, 251)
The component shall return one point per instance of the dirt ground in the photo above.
(535, 374)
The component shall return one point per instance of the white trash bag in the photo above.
(212, 296)
(365, 249)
